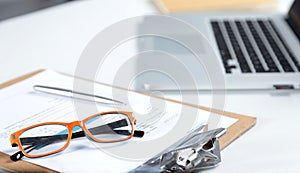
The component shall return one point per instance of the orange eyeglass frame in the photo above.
(15, 137)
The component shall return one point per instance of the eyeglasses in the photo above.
(52, 137)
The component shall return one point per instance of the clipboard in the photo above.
(243, 124)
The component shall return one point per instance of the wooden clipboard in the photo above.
(243, 124)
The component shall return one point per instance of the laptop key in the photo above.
(251, 52)
(285, 45)
(224, 52)
(237, 49)
(263, 50)
(282, 60)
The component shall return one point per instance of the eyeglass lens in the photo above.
(109, 127)
(44, 139)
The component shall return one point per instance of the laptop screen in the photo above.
(294, 17)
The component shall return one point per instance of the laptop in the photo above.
(254, 51)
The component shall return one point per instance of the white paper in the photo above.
(21, 106)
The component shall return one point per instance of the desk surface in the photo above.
(54, 38)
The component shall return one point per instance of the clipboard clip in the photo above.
(196, 151)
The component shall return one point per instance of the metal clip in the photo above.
(195, 151)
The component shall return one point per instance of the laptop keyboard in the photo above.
(253, 46)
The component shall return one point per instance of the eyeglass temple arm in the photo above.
(18, 155)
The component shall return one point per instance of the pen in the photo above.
(68, 93)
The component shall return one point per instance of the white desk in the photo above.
(54, 38)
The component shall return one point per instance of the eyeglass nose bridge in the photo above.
(72, 125)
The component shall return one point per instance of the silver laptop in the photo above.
(254, 51)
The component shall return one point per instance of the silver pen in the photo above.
(68, 93)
